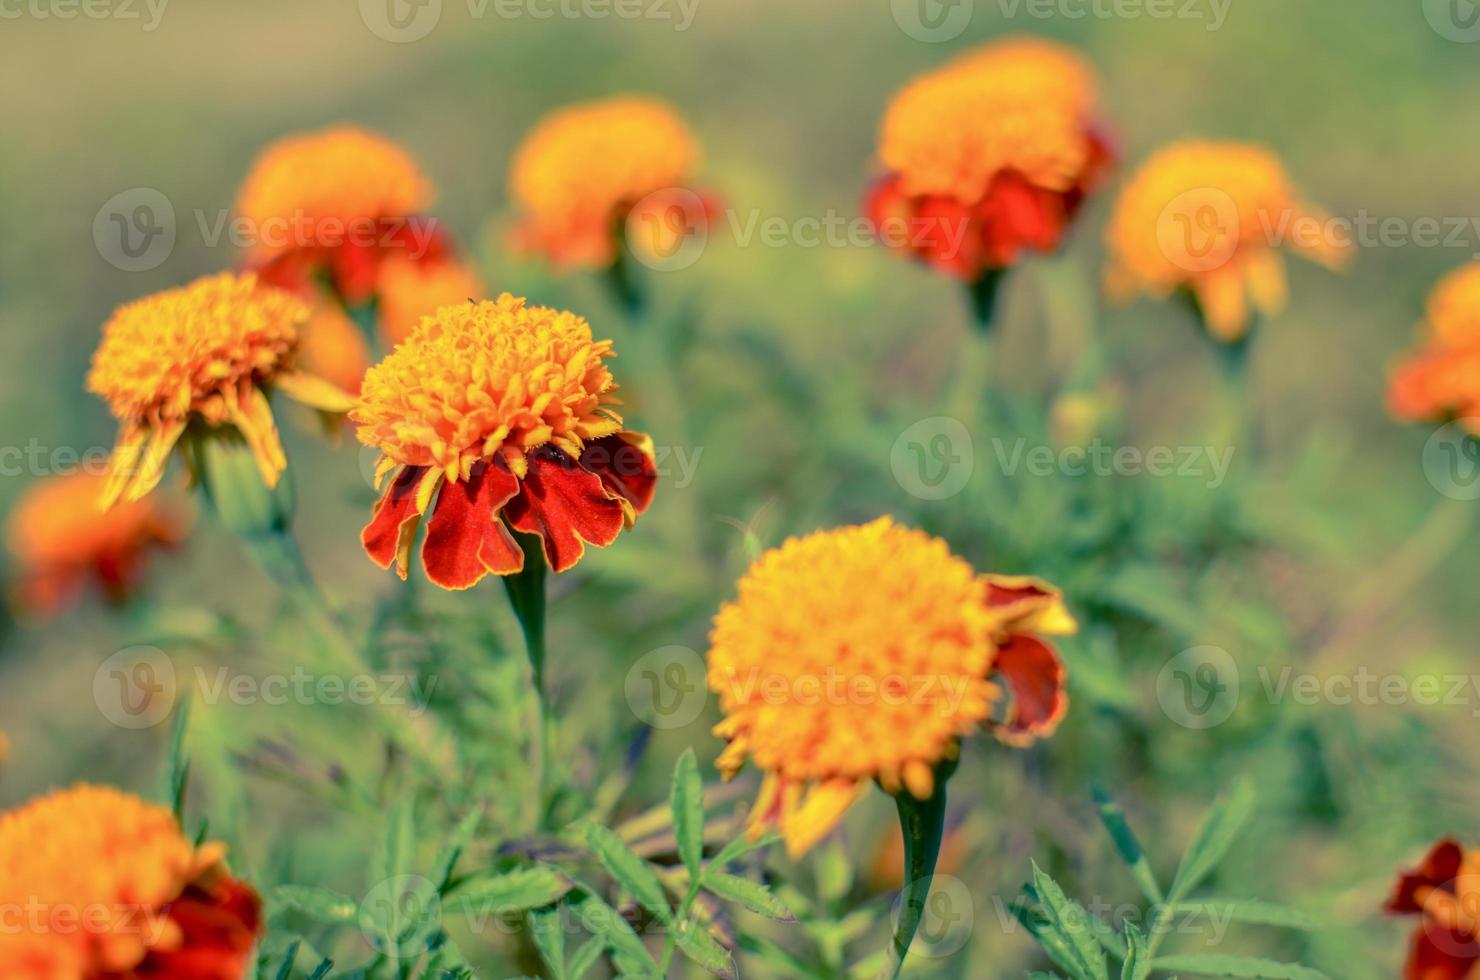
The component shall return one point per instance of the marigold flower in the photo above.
(866, 653)
(507, 408)
(208, 352)
(105, 887)
(59, 539)
(1442, 378)
(988, 156)
(411, 290)
(339, 201)
(1445, 892)
(1207, 218)
(582, 169)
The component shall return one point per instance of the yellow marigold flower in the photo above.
(411, 290)
(209, 351)
(583, 168)
(59, 539)
(1208, 218)
(1442, 379)
(865, 653)
(507, 408)
(102, 886)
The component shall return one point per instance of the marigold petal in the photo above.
(567, 506)
(1225, 308)
(156, 456)
(466, 538)
(1439, 953)
(392, 528)
(123, 463)
(1438, 869)
(627, 467)
(314, 392)
(252, 415)
(815, 815)
(1035, 676)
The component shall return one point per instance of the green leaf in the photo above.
(544, 925)
(741, 846)
(523, 888)
(322, 970)
(398, 846)
(687, 800)
(319, 904)
(1137, 962)
(751, 894)
(290, 956)
(1252, 912)
(1220, 828)
(1127, 846)
(698, 945)
(631, 956)
(446, 862)
(1072, 922)
(1248, 968)
(629, 870)
(585, 958)
(177, 774)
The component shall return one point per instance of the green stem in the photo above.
(622, 282)
(922, 822)
(983, 295)
(973, 378)
(526, 591)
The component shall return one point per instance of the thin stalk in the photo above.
(922, 824)
(526, 591)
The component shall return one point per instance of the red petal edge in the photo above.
(1035, 675)
(397, 508)
(466, 539)
(1438, 869)
(565, 505)
(626, 467)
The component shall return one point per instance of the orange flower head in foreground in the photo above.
(1208, 218)
(1445, 892)
(1442, 379)
(333, 205)
(411, 290)
(582, 170)
(503, 411)
(209, 353)
(988, 156)
(105, 887)
(60, 541)
(866, 653)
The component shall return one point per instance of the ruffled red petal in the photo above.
(626, 466)
(566, 505)
(394, 521)
(1438, 870)
(466, 539)
(1014, 215)
(218, 929)
(1035, 676)
(1438, 953)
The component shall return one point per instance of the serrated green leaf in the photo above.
(1244, 967)
(1220, 828)
(1252, 912)
(695, 942)
(319, 904)
(741, 846)
(398, 845)
(686, 797)
(177, 772)
(629, 954)
(1127, 846)
(511, 891)
(751, 894)
(549, 936)
(1137, 963)
(1073, 923)
(584, 958)
(629, 870)
(446, 862)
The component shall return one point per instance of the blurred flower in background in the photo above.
(1445, 891)
(101, 884)
(410, 290)
(507, 408)
(61, 541)
(1209, 219)
(1442, 378)
(865, 653)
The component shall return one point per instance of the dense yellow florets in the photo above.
(1022, 105)
(475, 379)
(163, 355)
(860, 652)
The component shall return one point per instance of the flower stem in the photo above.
(983, 296)
(526, 590)
(622, 283)
(922, 822)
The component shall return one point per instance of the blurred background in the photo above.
(785, 379)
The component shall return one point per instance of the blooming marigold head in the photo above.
(206, 352)
(1442, 378)
(866, 653)
(411, 290)
(989, 155)
(1444, 890)
(60, 541)
(508, 409)
(110, 888)
(582, 169)
(1202, 216)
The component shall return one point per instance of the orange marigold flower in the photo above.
(339, 200)
(59, 539)
(1444, 891)
(988, 156)
(209, 351)
(1442, 379)
(1207, 218)
(582, 169)
(507, 408)
(105, 887)
(865, 653)
(411, 290)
